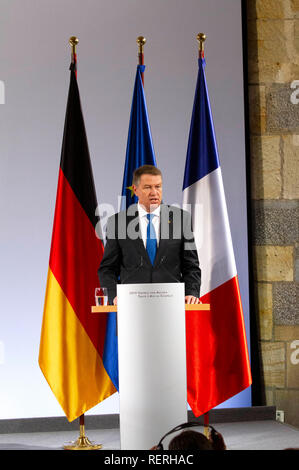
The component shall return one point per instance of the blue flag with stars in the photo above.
(140, 151)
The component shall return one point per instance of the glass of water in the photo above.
(101, 296)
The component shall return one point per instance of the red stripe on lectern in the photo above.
(75, 257)
(217, 359)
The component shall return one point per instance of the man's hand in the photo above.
(115, 301)
(190, 299)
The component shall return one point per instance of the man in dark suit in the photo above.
(150, 242)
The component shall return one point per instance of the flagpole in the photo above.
(141, 40)
(201, 37)
(82, 443)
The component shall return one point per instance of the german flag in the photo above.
(72, 338)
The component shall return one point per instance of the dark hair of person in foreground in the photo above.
(193, 440)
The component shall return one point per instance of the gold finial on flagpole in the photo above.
(73, 42)
(141, 40)
(201, 37)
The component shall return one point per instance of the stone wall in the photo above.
(273, 77)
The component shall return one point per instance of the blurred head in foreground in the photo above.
(192, 440)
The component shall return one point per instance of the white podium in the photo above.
(152, 362)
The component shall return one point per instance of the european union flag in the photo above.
(140, 149)
(139, 152)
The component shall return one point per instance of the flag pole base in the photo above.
(82, 443)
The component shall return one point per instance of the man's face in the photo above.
(149, 191)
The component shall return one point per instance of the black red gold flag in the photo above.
(72, 338)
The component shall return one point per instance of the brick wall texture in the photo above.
(273, 78)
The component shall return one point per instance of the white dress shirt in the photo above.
(143, 220)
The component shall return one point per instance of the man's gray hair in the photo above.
(145, 170)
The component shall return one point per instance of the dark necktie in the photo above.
(151, 241)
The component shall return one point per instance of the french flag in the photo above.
(218, 365)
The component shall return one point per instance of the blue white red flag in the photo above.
(218, 364)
